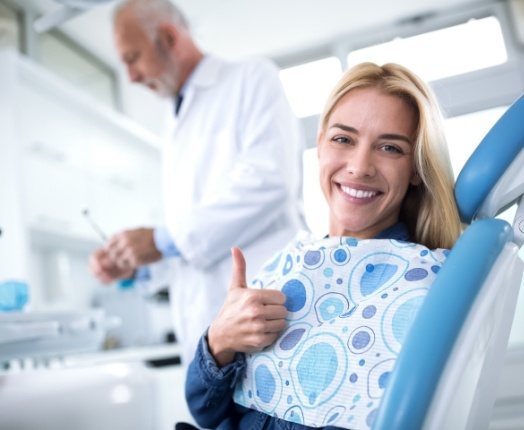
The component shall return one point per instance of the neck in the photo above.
(191, 62)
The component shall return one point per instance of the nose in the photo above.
(360, 162)
(134, 75)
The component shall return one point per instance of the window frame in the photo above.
(29, 45)
(18, 11)
(93, 60)
(458, 95)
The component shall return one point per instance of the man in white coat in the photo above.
(231, 168)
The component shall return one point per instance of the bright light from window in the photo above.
(451, 51)
(315, 206)
(308, 85)
(465, 132)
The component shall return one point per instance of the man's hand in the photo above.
(105, 269)
(249, 320)
(133, 248)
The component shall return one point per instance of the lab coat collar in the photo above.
(206, 73)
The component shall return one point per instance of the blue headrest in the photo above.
(490, 160)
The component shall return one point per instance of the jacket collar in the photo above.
(398, 231)
(205, 74)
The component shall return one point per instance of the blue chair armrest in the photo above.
(437, 325)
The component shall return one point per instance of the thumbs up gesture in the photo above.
(249, 320)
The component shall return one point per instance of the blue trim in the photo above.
(398, 231)
(490, 160)
(428, 345)
(164, 243)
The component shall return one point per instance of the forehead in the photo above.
(128, 33)
(363, 107)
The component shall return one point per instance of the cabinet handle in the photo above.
(124, 183)
(46, 152)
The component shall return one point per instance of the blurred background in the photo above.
(76, 136)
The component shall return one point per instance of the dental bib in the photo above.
(350, 303)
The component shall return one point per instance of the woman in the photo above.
(386, 175)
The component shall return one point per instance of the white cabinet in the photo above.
(55, 195)
(70, 154)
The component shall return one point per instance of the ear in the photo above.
(415, 179)
(167, 36)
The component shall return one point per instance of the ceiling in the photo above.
(273, 28)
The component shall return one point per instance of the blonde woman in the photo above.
(301, 348)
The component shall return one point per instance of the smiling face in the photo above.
(366, 161)
(147, 62)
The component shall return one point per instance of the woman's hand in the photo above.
(250, 319)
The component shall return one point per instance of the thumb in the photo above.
(238, 276)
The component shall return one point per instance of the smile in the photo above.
(358, 194)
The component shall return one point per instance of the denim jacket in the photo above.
(209, 389)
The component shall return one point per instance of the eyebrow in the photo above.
(388, 136)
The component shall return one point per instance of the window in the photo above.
(68, 60)
(308, 85)
(465, 132)
(463, 48)
(9, 28)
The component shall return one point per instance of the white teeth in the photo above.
(359, 194)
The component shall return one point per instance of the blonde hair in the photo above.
(429, 209)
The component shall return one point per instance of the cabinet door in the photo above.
(113, 203)
(123, 192)
(55, 196)
(76, 159)
(51, 128)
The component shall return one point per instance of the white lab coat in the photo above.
(232, 177)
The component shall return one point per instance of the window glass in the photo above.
(9, 28)
(62, 56)
(465, 132)
(463, 48)
(308, 85)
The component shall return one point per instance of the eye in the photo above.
(392, 149)
(342, 139)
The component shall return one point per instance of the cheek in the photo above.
(400, 178)
(151, 64)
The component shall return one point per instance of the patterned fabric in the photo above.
(350, 303)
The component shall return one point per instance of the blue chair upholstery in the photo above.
(439, 323)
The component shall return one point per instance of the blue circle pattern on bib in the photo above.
(350, 304)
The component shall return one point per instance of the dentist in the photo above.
(231, 168)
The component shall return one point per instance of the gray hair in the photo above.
(152, 13)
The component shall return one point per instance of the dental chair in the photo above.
(446, 374)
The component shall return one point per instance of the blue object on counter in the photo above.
(14, 295)
(142, 274)
(125, 284)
